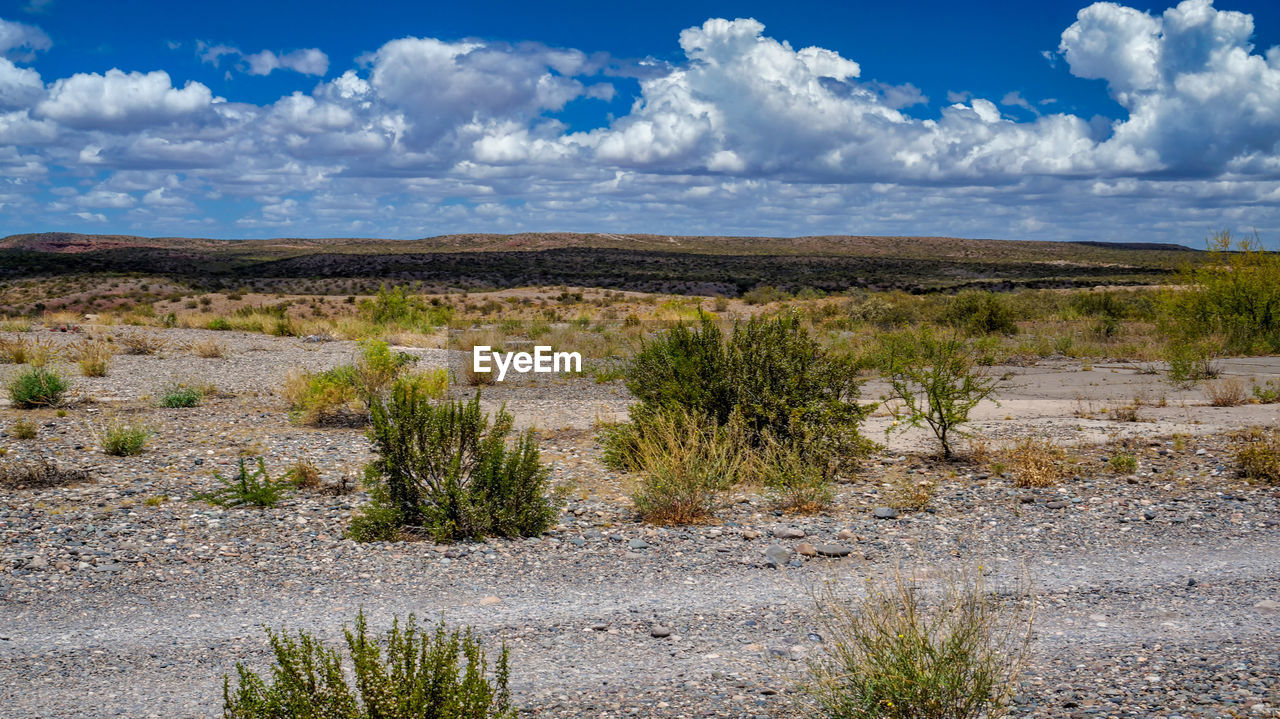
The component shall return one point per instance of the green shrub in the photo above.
(1190, 362)
(685, 462)
(1257, 452)
(764, 294)
(248, 488)
(447, 471)
(180, 395)
(1267, 392)
(120, 439)
(1234, 295)
(219, 323)
(23, 429)
(342, 395)
(770, 376)
(1124, 463)
(980, 313)
(440, 674)
(899, 648)
(934, 380)
(37, 387)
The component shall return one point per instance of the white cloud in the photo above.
(121, 101)
(745, 134)
(308, 62)
(20, 41)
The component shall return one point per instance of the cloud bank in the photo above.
(746, 134)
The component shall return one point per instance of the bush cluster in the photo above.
(768, 390)
(37, 387)
(342, 395)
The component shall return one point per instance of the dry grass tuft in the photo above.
(1036, 462)
(1226, 392)
(39, 474)
(908, 492)
(93, 357)
(142, 343)
(208, 349)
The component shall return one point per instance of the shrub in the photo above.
(124, 440)
(303, 474)
(142, 343)
(342, 395)
(23, 429)
(1267, 392)
(179, 395)
(446, 471)
(1124, 463)
(1257, 452)
(1226, 392)
(792, 481)
(764, 294)
(770, 376)
(1190, 362)
(980, 313)
(934, 379)
(40, 474)
(438, 674)
(685, 462)
(1035, 462)
(93, 357)
(248, 488)
(220, 324)
(37, 387)
(1234, 294)
(905, 650)
(208, 349)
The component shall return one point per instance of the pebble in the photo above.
(885, 513)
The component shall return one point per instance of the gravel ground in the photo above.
(123, 597)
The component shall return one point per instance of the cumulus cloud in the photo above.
(744, 133)
(118, 100)
(19, 41)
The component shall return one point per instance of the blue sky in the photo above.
(1006, 119)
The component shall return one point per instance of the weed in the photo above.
(23, 429)
(303, 475)
(121, 439)
(901, 649)
(179, 395)
(422, 674)
(907, 491)
(1036, 462)
(37, 387)
(1123, 463)
(1267, 392)
(1226, 392)
(685, 462)
(208, 349)
(93, 357)
(1257, 452)
(142, 343)
(793, 482)
(40, 474)
(156, 500)
(248, 488)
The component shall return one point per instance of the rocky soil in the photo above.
(123, 596)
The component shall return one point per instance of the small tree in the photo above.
(936, 380)
(1234, 295)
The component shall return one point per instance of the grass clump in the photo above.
(1268, 392)
(37, 387)
(408, 672)
(142, 343)
(1035, 462)
(93, 358)
(935, 380)
(342, 395)
(1226, 392)
(208, 349)
(685, 463)
(1123, 463)
(253, 488)
(1257, 451)
(39, 474)
(303, 474)
(120, 439)
(180, 396)
(23, 429)
(445, 470)
(907, 649)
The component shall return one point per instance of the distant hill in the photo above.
(633, 261)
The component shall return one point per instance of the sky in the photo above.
(1014, 120)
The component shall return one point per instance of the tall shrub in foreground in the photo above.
(409, 672)
(444, 470)
(935, 380)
